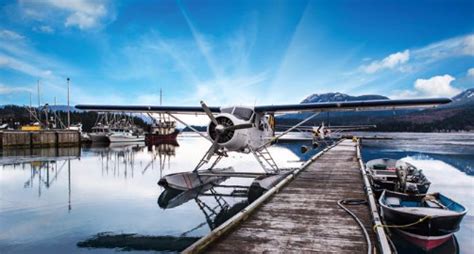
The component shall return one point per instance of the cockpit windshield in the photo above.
(227, 110)
(243, 113)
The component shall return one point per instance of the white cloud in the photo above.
(437, 86)
(413, 59)
(390, 62)
(9, 90)
(24, 67)
(10, 35)
(470, 72)
(84, 14)
(44, 29)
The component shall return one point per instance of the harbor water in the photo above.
(103, 199)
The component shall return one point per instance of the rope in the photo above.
(402, 226)
(361, 225)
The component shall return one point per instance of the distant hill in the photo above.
(457, 115)
(16, 116)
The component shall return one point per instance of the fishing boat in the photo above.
(163, 128)
(426, 220)
(396, 175)
(162, 131)
(99, 133)
(191, 180)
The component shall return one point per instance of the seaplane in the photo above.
(323, 135)
(244, 129)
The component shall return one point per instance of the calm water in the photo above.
(50, 204)
(73, 200)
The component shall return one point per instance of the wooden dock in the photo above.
(302, 214)
(42, 138)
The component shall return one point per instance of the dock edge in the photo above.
(382, 240)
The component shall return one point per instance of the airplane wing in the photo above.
(150, 109)
(352, 105)
(306, 107)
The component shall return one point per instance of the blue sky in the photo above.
(233, 52)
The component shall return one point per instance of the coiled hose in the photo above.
(343, 202)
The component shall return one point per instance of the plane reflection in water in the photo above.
(218, 200)
(211, 200)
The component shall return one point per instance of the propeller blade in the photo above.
(214, 147)
(209, 113)
(239, 126)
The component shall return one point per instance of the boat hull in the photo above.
(426, 227)
(98, 138)
(125, 138)
(152, 139)
(426, 243)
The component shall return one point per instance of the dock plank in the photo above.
(304, 215)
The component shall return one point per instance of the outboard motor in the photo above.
(411, 188)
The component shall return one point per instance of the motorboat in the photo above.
(396, 175)
(426, 220)
(382, 174)
(99, 134)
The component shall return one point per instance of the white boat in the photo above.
(124, 135)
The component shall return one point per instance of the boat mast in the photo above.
(30, 107)
(39, 101)
(68, 109)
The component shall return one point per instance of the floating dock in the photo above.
(42, 138)
(301, 213)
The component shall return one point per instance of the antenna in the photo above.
(68, 108)
(161, 97)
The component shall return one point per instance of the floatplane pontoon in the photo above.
(251, 129)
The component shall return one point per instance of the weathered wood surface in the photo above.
(304, 215)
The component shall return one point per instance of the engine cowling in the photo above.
(232, 140)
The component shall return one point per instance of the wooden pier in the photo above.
(301, 213)
(42, 138)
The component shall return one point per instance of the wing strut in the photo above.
(190, 127)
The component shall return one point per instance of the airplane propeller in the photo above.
(223, 129)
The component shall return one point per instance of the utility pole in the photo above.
(68, 109)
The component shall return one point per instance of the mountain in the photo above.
(330, 97)
(457, 115)
(51, 107)
(464, 98)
